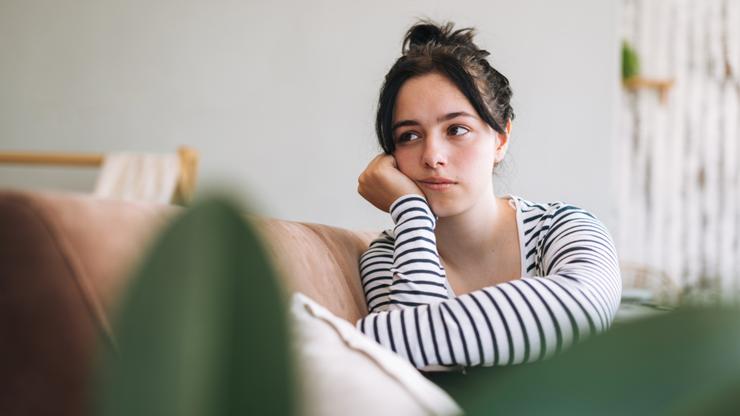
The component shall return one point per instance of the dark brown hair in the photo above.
(429, 47)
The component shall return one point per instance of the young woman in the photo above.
(466, 278)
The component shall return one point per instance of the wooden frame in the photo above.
(189, 158)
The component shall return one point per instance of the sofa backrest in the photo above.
(320, 261)
(64, 262)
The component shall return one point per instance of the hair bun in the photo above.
(426, 32)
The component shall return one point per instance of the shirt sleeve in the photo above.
(518, 321)
(404, 270)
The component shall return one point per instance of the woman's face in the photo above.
(439, 136)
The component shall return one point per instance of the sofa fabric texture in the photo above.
(66, 259)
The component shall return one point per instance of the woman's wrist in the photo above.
(410, 201)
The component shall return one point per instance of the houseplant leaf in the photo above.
(202, 330)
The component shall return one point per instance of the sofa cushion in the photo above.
(344, 372)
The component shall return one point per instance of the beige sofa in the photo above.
(65, 260)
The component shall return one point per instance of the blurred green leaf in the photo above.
(202, 330)
(679, 363)
(630, 61)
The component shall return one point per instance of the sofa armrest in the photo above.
(56, 295)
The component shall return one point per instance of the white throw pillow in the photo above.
(346, 373)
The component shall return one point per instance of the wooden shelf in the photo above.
(661, 85)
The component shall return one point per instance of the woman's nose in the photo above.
(434, 152)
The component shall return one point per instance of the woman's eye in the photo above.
(407, 136)
(457, 130)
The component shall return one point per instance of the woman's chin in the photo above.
(441, 208)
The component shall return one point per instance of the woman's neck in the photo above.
(467, 238)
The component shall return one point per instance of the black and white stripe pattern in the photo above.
(571, 289)
(408, 263)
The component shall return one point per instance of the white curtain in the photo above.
(679, 179)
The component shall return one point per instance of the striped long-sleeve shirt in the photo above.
(571, 288)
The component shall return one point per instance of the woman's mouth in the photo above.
(437, 186)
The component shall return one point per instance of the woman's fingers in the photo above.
(382, 182)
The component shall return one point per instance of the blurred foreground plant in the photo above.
(203, 328)
(685, 362)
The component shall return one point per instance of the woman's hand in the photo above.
(382, 182)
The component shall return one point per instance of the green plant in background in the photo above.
(630, 61)
(203, 328)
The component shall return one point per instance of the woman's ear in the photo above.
(502, 143)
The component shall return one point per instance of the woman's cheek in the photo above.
(401, 161)
(466, 164)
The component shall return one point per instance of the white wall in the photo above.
(279, 97)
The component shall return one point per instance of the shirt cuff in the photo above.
(413, 202)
